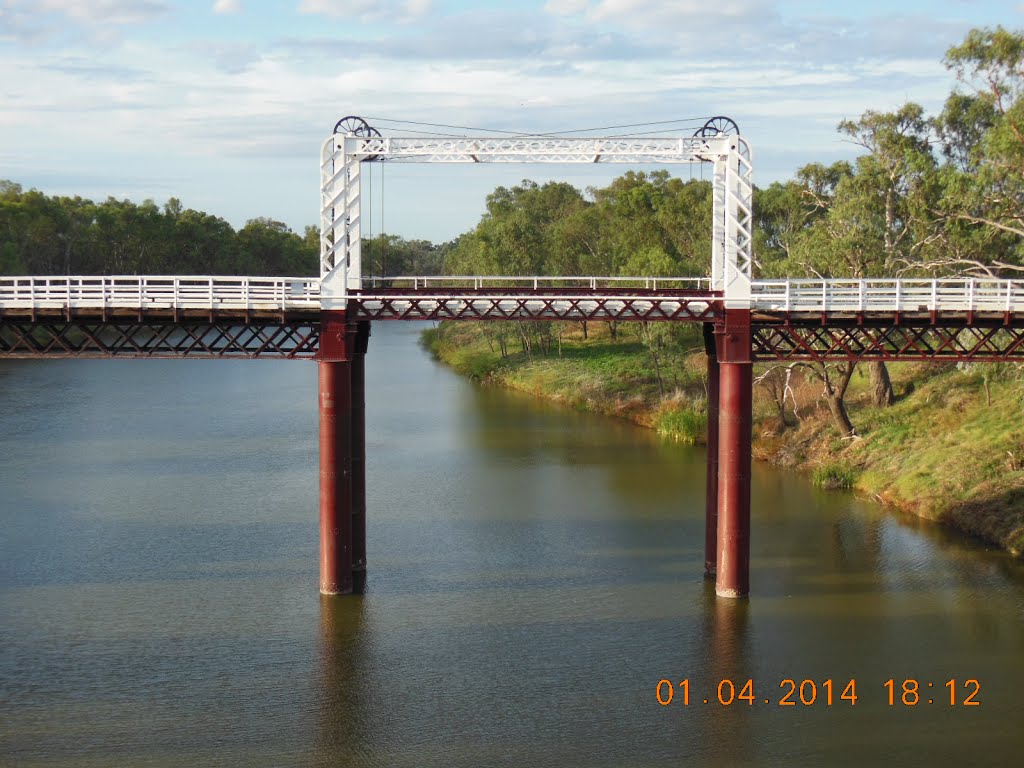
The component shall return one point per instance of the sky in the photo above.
(224, 103)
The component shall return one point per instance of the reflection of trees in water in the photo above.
(524, 430)
(857, 543)
(959, 576)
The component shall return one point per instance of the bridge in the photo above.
(328, 319)
(214, 316)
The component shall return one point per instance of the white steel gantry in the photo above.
(343, 153)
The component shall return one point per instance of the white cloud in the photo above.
(723, 27)
(657, 12)
(359, 8)
(565, 7)
(100, 12)
(415, 8)
(367, 10)
(101, 22)
(227, 6)
(903, 68)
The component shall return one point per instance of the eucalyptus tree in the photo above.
(885, 207)
(982, 131)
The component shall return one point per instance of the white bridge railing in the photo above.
(160, 292)
(837, 295)
(872, 295)
(538, 282)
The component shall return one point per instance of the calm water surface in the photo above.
(533, 574)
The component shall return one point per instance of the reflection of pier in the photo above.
(328, 318)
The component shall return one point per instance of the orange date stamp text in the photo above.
(790, 692)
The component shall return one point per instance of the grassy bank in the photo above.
(940, 452)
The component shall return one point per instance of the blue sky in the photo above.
(224, 103)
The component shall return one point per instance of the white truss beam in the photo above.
(341, 155)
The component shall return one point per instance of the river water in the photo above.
(534, 574)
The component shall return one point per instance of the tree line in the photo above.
(58, 235)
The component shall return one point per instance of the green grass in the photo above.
(833, 476)
(686, 424)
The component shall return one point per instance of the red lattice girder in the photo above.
(992, 342)
(465, 305)
(21, 337)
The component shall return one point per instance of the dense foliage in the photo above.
(640, 224)
(53, 235)
(45, 235)
(930, 195)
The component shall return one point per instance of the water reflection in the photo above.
(727, 653)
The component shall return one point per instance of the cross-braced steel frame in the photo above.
(981, 341)
(530, 305)
(342, 155)
(940, 339)
(159, 338)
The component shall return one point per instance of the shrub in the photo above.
(833, 476)
(687, 425)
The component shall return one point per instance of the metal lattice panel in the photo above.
(256, 339)
(537, 149)
(532, 307)
(991, 343)
(340, 209)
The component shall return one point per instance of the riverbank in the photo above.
(951, 448)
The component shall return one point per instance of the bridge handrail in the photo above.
(834, 295)
(159, 291)
(950, 294)
(481, 282)
(497, 296)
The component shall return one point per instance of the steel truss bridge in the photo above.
(328, 318)
(184, 316)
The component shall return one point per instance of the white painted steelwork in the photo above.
(803, 296)
(171, 292)
(889, 295)
(340, 212)
(540, 282)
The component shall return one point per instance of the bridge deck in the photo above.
(496, 297)
(207, 316)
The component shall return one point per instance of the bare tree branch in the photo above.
(989, 222)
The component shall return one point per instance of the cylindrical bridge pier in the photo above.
(732, 576)
(362, 341)
(335, 379)
(343, 344)
(711, 482)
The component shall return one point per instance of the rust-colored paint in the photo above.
(711, 481)
(734, 429)
(362, 340)
(336, 337)
(335, 379)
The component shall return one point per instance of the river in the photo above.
(533, 574)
